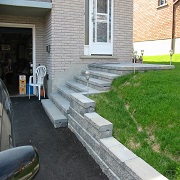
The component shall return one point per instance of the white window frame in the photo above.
(162, 2)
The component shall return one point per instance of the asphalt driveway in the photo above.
(62, 156)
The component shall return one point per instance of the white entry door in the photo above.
(100, 27)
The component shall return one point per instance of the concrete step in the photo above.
(54, 114)
(77, 87)
(60, 102)
(115, 68)
(65, 91)
(94, 83)
(101, 75)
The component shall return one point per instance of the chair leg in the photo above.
(44, 91)
(29, 91)
(39, 92)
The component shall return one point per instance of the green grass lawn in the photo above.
(164, 58)
(145, 111)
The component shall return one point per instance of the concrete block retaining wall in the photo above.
(95, 133)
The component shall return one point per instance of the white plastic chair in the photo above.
(40, 74)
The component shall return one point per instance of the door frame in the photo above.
(91, 30)
(32, 26)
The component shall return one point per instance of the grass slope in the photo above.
(145, 111)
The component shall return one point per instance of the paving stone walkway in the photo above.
(62, 156)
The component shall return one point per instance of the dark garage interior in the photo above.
(15, 56)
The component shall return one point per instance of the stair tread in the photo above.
(54, 113)
(65, 89)
(95, 81)
(61, 101)
(101, 73)
(82, 87)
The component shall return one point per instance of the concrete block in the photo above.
(81, 103)
(110, 174)
(77, 87)
(82, 100)
(90, 140)
(97, 133)
(56, 117)
(65, 91)
(81, 110)
(60, 102)
(98, 127)
(102, 75)
(78, 117)
(117, 150)
(98, 121)
(116, 166)
(114, 154)
(143, 170)
(61, 124)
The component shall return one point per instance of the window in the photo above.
(162, 2)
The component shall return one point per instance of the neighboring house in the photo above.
(156, 26)
(66, 35)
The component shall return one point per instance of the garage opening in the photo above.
(15, 56)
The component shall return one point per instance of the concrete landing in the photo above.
(130, 66)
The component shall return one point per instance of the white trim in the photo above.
(32, 26)
(90, 25)
(86, 49)
(23, 3)
(17, 25)
(163, 5)
(112, 24)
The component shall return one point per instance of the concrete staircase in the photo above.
(57, 106)
(102, 75)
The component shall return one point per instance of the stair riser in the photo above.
(63, 94)
(99, 88)
(76, 89)
(61, 125)
(65, 112)
(60, 107)
(99, 77)
(56, 117)
(114, 71)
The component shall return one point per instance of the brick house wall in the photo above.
(123, 35)
(63, 29)
(153, 23)
(176, 20)
(66, 26)
(150, 21)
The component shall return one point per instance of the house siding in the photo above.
(176, 20)
(123, 35)
(152, 27)
(151, 22)
(67, 31)
(63, 28)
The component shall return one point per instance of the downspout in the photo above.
(172, 30)
(172, 26)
